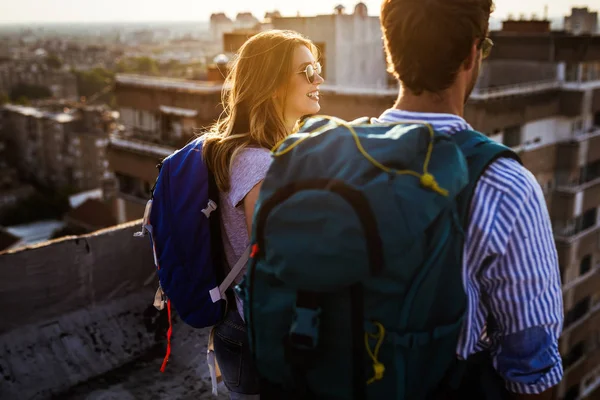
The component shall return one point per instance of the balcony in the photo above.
(576, 372)
(589, 85)
(491, 93)
(576, 228)
(140, 146)
(587, 323)
(584, 285)
(591, 384)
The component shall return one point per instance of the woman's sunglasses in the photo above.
(311, 71)
(486, 47)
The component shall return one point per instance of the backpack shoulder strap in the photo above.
(480, 152)
(218, 292)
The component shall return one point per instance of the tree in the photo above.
(147, 65)
(92, 82)
(54, 61)
(29, 92)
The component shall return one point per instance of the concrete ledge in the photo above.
(48, 280)
(45, 358)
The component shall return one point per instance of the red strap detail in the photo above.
(254, 251)
(169, 332)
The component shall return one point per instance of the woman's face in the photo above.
(302, 96)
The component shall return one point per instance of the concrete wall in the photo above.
(74, 309)
(149, 99)
(360, 57)
(49, 281)
(509, 72)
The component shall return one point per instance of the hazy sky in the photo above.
(189, 10)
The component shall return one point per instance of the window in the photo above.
(512, 136)
(586, 265)
(572, 393)
(126, 183)
(571, 72)
(589, 219)
(589, 172)
(574, 355)
(577, 312)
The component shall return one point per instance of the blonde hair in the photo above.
(251, 116)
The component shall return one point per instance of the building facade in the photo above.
(582, 21)
(59, 146)
(158, 115)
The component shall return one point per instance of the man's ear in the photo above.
(473, 57)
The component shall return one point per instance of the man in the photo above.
(435, 49)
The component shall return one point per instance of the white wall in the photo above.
(547, 131)
(360, 56)
(146, 120)
(127, 117)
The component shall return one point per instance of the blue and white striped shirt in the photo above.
(510, 233)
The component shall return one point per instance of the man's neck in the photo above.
(427, 102)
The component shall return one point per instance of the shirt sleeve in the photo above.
(248, 168)
(522, 288)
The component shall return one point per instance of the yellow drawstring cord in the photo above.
(378, 368)
(426, 179)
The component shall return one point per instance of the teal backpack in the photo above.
(354, 288)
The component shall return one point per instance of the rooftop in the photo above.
(35, 232)
(169, 83)
(60, 117)
(81, 307)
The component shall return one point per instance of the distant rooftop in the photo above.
(39, 113)
(169, 83)
(140, 146)
(36, 232)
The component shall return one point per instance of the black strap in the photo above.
(359, 379)
(159, 167)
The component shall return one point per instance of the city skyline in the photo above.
(87, 11)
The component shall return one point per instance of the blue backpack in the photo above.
(354, 290)
(183, 223)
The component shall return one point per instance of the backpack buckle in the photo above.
(145, 220)
(160, 299)
(304, 332)
(210, 207)
(300, 344)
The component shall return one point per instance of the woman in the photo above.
(273, 83)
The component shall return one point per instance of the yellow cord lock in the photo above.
(379, 369)
(429, 182)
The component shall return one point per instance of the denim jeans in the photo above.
(233, 356)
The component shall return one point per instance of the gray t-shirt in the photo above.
(248, 168)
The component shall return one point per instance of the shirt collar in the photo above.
(447, 123)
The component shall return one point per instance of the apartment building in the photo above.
(34, 71)
(12, 190)
(158, 115)
(582, 21)
(59, 146)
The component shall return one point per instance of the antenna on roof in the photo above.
(546, 12)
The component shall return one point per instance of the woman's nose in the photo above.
(318, 79)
